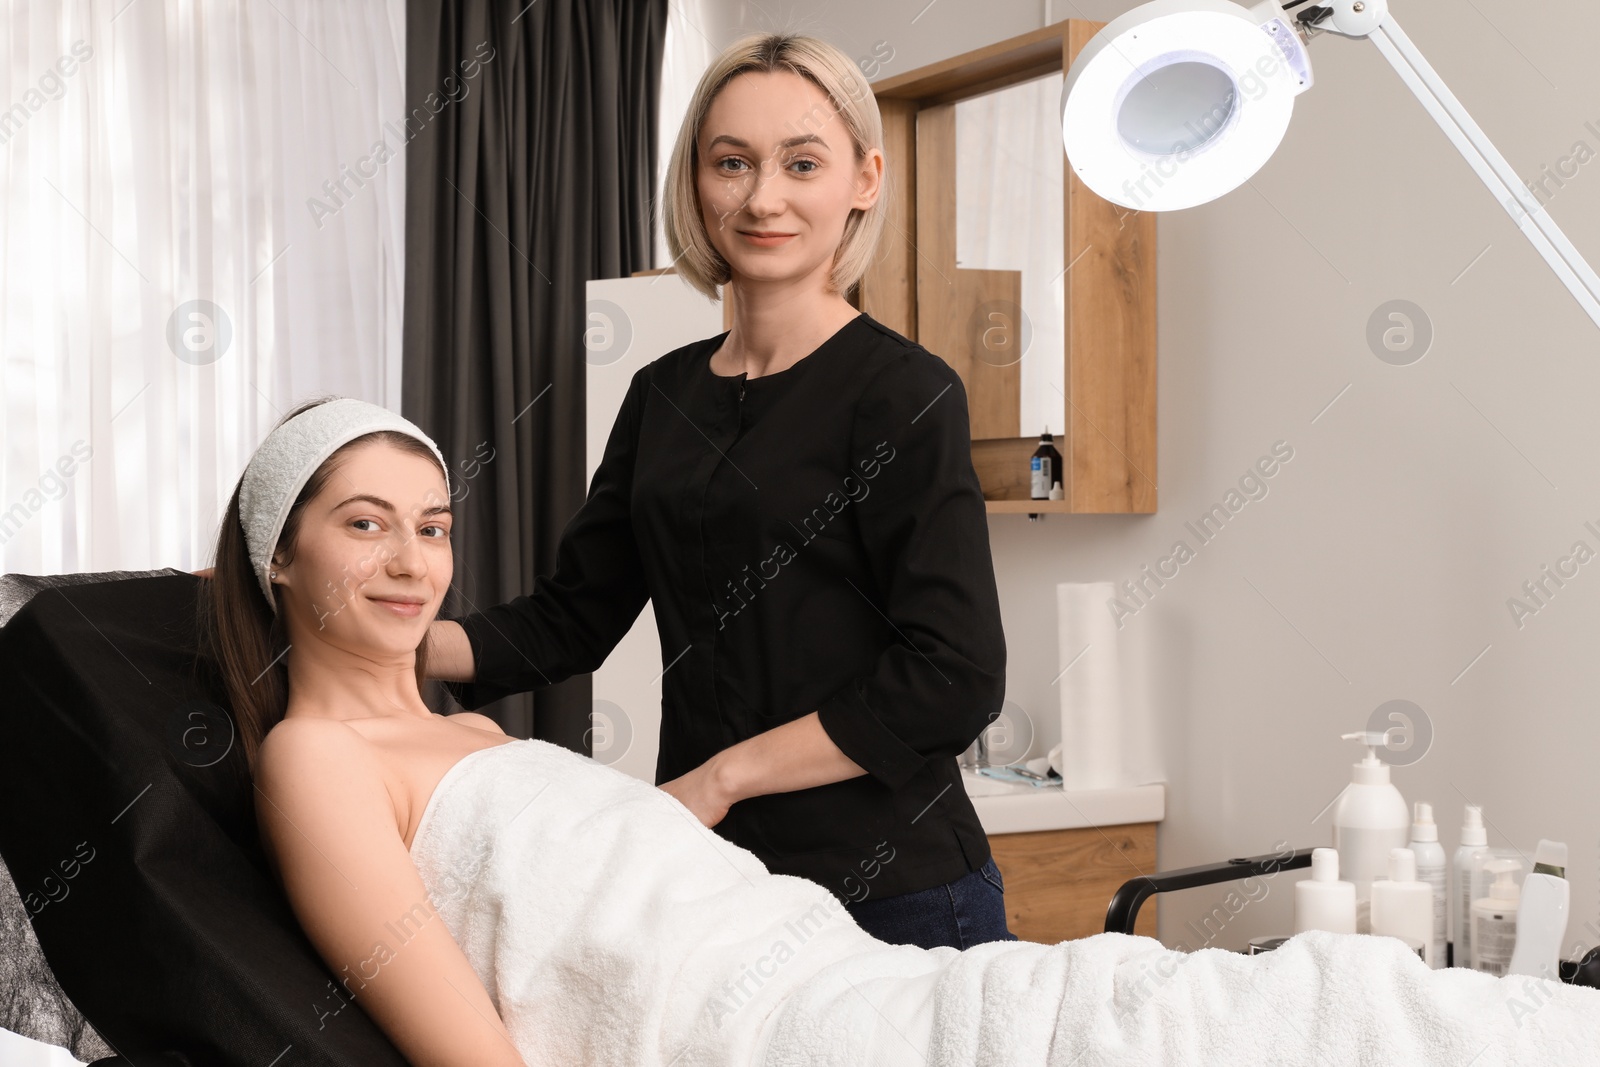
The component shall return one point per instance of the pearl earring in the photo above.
(272, 574)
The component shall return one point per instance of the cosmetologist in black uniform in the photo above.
(815, 545)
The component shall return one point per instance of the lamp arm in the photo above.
(1487, 162)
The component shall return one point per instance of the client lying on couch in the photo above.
(496, 901)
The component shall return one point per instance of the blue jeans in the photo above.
(962, 913)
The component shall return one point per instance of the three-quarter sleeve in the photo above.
(926, 535)
(573, 618)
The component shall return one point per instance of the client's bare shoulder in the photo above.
(293, 743)
(299, 759)
(481, 722)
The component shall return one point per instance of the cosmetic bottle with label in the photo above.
(1433, 867)
(1044, 468)
(1494, 919)
(1474, 843)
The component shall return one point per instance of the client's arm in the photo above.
(328, 825)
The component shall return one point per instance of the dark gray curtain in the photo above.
(530, 170)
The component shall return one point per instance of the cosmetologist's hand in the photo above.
(702, 791)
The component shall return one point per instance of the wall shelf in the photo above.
(1028, 507)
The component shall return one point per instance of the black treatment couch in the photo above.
(140, 922)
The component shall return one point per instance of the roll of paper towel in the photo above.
(1094, 720)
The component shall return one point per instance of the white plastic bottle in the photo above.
(1402, 906)
(1542, 914)
(1323, 902)
(1370, 820)
(1494, 919)
(1433, 867)
(1474, 842)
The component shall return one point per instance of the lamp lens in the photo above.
(1176, 106)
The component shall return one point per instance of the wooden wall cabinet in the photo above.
(1109, 448)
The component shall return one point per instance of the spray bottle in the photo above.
(1433, 867)
(1474, 842)
(1370, 820)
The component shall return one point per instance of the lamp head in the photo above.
(1180, 101)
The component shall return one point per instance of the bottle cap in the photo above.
(1552, 855)
(1503, 888)
(1325, 865)
(1472, 831)
(1370, 770)
(1423, 828)
(1402, 865)
(1371, 738)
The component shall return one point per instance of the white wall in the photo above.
(1380, 562)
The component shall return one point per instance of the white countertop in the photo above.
(1008, 808)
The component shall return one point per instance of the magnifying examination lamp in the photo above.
(1180, 101)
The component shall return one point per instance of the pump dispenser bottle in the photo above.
(1369, 821)
(1402, 906)
(1474, 840)
(1323, 902)
(1494, 919)
(1433, 867)
(1542, 915)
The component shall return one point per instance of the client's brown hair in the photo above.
(240, 632)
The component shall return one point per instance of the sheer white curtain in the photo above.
(201, 210)
(687, 52)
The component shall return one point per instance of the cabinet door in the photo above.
(1059, 882)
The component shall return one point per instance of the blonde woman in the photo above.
(796, 499)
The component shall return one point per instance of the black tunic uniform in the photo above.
(812, 540)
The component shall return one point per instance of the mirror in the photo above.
(1009, 164)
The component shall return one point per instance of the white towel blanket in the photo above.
(611, 928)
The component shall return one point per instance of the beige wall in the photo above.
(1380, 563)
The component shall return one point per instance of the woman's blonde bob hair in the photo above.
(830, 70)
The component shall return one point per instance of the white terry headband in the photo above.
(291, 454)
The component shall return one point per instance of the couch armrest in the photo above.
(1124, 908)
